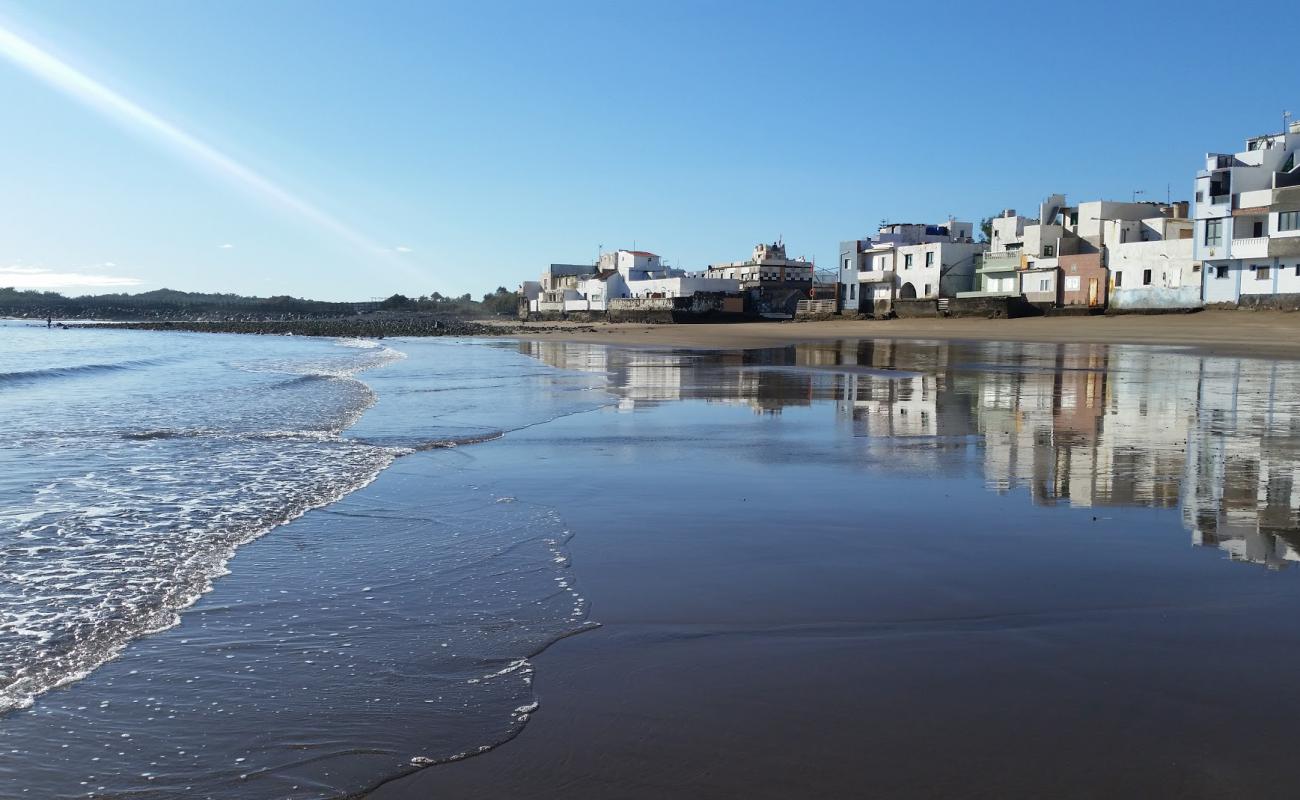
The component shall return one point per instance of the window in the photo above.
(907, 261)
(883, 263)
(853, 291)
(1213, 232)
(927, 289)
(1200, 197)
(1048, 251)
(1119, 279)
(1297, 270)
(848, 263)
(1045, 285)
(1261, 273)
(1288, 221)
(1146, 277)
(929, 259)
(1220, 272)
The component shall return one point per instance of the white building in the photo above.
(1060, 257)
(767, 266)
(1152, 265)
(558, 286)
(1248, 221)
(1022, 254)
(907, 261)
(621, 274)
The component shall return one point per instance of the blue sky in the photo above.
(419, 147)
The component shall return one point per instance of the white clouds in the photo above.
(226, 246)
(21, 277)
(401, 249)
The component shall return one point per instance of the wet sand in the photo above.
(799, 611)
(1264, 333)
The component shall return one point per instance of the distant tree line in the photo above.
(172, 304)
(502, 301)
(162, 302)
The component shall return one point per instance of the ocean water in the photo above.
(136, 465)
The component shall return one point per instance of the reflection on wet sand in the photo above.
(1086, 425)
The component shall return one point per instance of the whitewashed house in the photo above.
(1248, 222)
(1152, 265)
(907, 261)
(1022, 254)
(767, 266)
(621, 274)
(558, 287)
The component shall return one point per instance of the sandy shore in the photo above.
(1262, 333)
(802, 619)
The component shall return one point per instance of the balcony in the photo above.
(1000, 262)
(1252, 247)
(876, 276)
(1259, 198)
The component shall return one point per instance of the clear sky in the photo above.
(347, 150)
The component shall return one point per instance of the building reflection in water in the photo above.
(1085, 425)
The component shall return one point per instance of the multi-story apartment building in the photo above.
(1022, 253)
(906, 261)
(1248, 222)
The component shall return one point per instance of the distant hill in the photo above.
(170, 304)
(161, 303)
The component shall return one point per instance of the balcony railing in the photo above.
(876, 276)
(999, 262)
(1251, 247)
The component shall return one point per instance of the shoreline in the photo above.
(1274, 334)
(1270, 334)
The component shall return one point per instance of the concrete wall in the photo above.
(913, 309)
(991, 307)
(681, 287)
(703, 306)
(1278, 302)
(1155, 298)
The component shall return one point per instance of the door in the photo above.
(1093, 299)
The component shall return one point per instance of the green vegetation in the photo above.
(171, 304)
(161, 303)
